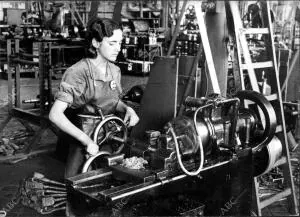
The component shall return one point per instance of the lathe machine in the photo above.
(201, 163)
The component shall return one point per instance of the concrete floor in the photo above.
(48, 164)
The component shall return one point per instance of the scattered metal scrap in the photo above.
(272, 182)
(13, 143)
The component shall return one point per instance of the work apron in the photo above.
(105, 97)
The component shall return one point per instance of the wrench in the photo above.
(49, 201)
(39, 185)
(44, 212)
(59, 204)
(58, 195)
(42, 178)
(56, 192)
(52, 209)
(49, 193)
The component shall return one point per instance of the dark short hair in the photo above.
(98, 28)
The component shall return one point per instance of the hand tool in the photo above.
(50, 201)
(41, 177)
(39, 185)
(44, 212)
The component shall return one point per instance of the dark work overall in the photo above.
(101, 96)
(104, 97)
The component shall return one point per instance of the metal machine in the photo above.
(211, 133)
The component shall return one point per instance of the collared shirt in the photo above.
(86, 88)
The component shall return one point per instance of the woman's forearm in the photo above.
(58, 117)
(63, 123)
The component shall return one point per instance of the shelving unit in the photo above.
(59, 46)
(139, 55)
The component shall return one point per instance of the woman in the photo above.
(91, 86)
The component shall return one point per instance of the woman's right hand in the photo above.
(92, 149)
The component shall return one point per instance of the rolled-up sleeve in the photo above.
(71, 88)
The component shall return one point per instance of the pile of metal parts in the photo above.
(12, 144)
(296, 171)
(43, 194)
(211, 133)
(272, 183)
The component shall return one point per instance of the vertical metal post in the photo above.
(165, 14)
(49, 70)
(294, 61)
(41, 78)
(207, 51)
(141, 9)
(17, 76)
(9, 76)
(176, 87)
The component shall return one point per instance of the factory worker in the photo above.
(91, 87)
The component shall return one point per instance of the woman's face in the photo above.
(111, 46)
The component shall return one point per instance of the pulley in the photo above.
(110, 135)
(265, 159)
(269, 116)
(95, 162)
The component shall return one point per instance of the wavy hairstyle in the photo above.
(98, 28)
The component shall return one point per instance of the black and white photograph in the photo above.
(123, 108)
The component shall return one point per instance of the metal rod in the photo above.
(28, 55)
(59, 204)
(162, 182)
(292, 103)
(190, 81)
(148, 187)
(118, 139)
(207, 51)
(58, 195)
(18, 60)
(176, 87)
(41, 177)
(290, 70)
(31, 101)
(17, 78)
(55, 191)
(9, 76)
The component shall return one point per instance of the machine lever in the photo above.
(118, 139)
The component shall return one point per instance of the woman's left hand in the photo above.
(131, 117)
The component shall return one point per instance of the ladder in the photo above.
(270, 67)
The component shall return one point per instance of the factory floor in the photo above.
(52, 166)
